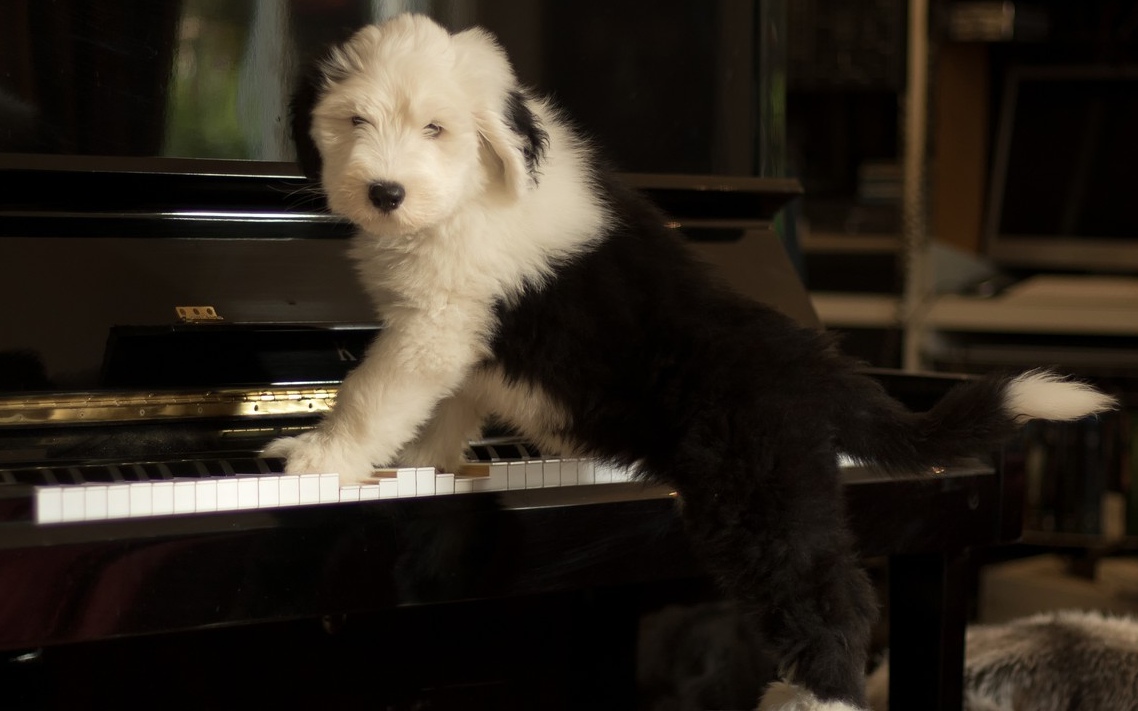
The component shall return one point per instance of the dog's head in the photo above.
(405, 122)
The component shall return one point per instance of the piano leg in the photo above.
(928, 614)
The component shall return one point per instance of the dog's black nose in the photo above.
(386, 196)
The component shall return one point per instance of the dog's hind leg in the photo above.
(778, 543)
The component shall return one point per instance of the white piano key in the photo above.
(185, 498)
(551, 472)
(205, 495)
(515, 475)
(444, 483)
(308, 489)
(586, 472)
(96, 504)
(485, 484)
(118, 501)
(499, 477)
(74, 503)
(290, 489)
(329, 488)
(268, 492)
(162, 498)
(425, 481)
(535, 474)
(227, 494)
(569, 471)
(491, 477)
(248, 488)
(165, 497)
(141, 499)
(350, 493)
(405, 479)
(49, 504)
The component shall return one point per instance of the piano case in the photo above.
(523, 597)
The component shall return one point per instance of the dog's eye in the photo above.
(432, 130)
(359, 121)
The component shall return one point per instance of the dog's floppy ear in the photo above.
(507, 145)
(516, 136)
(503, 118)
(304, 97)
(523, 122)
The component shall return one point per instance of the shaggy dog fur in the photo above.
(518, 279)
(1068, 659)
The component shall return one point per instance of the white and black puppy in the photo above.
(517, 279)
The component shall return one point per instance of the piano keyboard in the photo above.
(131, 493)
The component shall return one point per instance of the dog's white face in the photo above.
(405, 126)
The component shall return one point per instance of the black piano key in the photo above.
(67, 475)
(256, 465)
(100, 474)
(479, 453)
(34, 477)
(186, 469)
(213, 468)
(135, 472)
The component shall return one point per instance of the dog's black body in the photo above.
(742, 410)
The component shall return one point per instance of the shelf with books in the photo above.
(1082, 480)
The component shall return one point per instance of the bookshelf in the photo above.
(1085, 475)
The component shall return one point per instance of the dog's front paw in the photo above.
(314, 453)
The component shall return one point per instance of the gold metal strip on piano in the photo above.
(79, 408)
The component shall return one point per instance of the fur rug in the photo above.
(1056, 661)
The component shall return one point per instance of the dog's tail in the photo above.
(973, 418)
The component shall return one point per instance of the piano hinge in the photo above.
(197, 314)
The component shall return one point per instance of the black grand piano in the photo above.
(166, 316)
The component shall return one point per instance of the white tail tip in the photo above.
(781, 696)
(1043, 395)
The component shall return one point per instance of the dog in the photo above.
(518, 279)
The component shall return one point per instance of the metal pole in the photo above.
(914, 194)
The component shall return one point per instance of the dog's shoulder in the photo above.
(635, 270)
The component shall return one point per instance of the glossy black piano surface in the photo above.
(468, 562)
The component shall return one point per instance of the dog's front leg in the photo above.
(442, 440)
(411, 366)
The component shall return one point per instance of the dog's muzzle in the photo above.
(386, 196)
